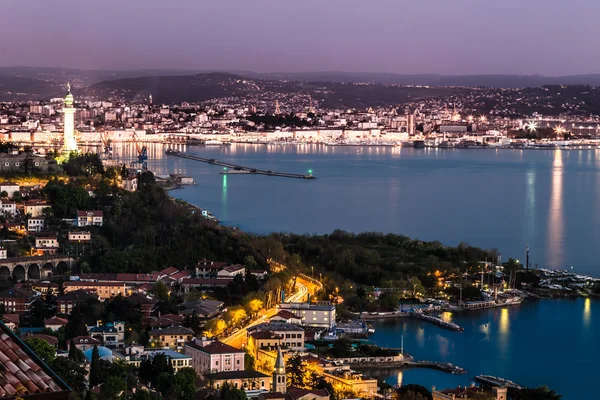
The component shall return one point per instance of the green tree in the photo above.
(539, 393)
(160, 291)
(295, 371)
(76, 323)
(228, 392)
(112, 387)
(4, 194)
(95, 368)
(249, 361)
(72, 373)
(412, 392)
(74, 353)
(165, 383)
(184, 387)
(142, 394)
(42, 349)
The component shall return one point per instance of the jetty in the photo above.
(446, 367)
(437, 321)
(495, 381)
(239, 169)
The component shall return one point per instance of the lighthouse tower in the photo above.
(69, 142)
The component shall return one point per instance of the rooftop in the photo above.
(171, 330)
(215, 348)
(16, 293)
(228, 375)
(23, 371)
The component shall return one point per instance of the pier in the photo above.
(239, 169)
(437, 321)
(495, 381)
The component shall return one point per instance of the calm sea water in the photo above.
(501, 199)
(546, 342)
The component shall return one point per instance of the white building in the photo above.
(214, 356)
(9, 187)
(79, 236)
(36, 224)
(46, 242)
(315, 315)
(8, 207)
(90, 218)
(35, 208)
(69, 141)
(231, 271)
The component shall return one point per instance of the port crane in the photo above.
(107, 145)
(142, 153)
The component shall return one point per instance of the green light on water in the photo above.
(310, 171)
(224, 168)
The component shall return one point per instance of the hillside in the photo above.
(203, 87)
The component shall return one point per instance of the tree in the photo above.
(112, 388)
(42, 349)
(412, 392)
(249, 361)
(73, 374)
(4, 194)
(184, 387)
(74, 353)
(160, 291)
(165, 383)
(295, 371)
(76, 324)
(95, 367)
(539, 393)
(142, 394)
(228, 392)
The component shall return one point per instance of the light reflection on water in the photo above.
(555, 243)
(587, 312)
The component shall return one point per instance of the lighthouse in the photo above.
(69, 142)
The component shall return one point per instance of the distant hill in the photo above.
(217, 85)
(15, 88)
(90, 77)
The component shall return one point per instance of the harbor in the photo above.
(239, 169)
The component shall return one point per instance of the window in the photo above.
(237, 362)
(17, 164)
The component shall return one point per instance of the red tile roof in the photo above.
(216, 347)
(169, 271)
(94, 213)
(265, 335)
(85, 340)
(295, 393)
(55, 321)
(206, 281)
(14, 318)
(22, 371)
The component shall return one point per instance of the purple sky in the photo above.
(550, 37)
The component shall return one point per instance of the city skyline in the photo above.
(464, 37)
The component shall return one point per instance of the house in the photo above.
(473, 392)
(35, 208)
(208, 269)
(104, 290)
(172, 337)
(24, 374)
(13, 321)
(204, 308)
(90, 218)
(246, 380)
(79, 236)
(147, 306)
(165, 320)
(46, 244)
(8, 207)
(84, 343)
(70, 299)
(231, 271)
(214, 356)
(52, 340)
(55, 323)
(130, 183)
(259, 273)
(294, 393)
(262, 340)
(111, 334)
(16, 300)
(36, 224)
(313, 315)
(190, 283)
(177, 360)
(9, 187)
(43, 287)
(290, 335)
(286, 316)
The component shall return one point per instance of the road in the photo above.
(303, 288)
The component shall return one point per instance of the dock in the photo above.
(239, 169)
(495, 381)
(437, 321)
